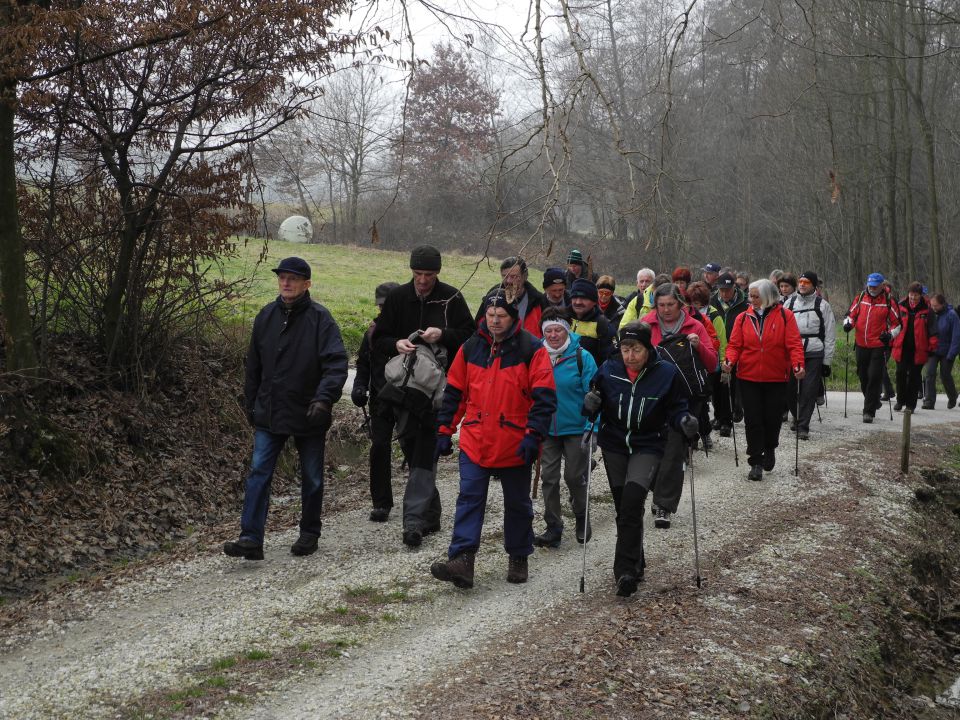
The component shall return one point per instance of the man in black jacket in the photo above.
(295, 371)
(729, 301)
(440, 312)
(367, 385)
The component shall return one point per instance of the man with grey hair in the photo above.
(639, 303)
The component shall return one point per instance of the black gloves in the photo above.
(318, 414)
(443, 447)
(847, 325)
(358, 396)
(885, 337)
(690, 426)
(592, 402)
(825, 371)
(529, 448)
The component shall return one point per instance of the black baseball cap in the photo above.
(295, 265)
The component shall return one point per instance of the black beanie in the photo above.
(498, 299)
(425, 257)
(639, 331)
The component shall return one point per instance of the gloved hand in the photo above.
(358, 396)
(885, 337)
(690, 426)
(529, 448)
(443, 447)
(825, 371)
(847, 325)
(319, 416)
(592, 402)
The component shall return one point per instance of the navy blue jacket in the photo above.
(948, 333)
(634, 416)
(296, 356)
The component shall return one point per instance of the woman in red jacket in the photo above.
(912, 345)
(764, 347)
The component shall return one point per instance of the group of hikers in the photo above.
(537, 379)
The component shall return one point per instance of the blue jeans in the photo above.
(472, 504)
(256, 498)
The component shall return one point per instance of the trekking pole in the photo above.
(846, 374)
(796, 457)
(693, 513)
(536, 478)
(584, 441)
(733, 425)
(366, 423)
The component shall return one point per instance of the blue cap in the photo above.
(925, 290)
(874, 279)
(295, 265)
(552, 276)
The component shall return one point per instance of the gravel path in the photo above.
(98, 652)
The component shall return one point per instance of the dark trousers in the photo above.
(668, 486)
(726, 401)
(810, 388)
(871, 369)
(382, 422)
(908, 383)
(762, 416)
(472, 506)
(421, 501)
(629, 477)
(946, 377)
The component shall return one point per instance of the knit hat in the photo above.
(874, 279)
(553, 276)
(295, 265)
(383, 289)
(425, 257)
(811, 276)
(583, 288)
(498, 299)
(575, 256)
(726, 281)
(638, 331)
(681, 273)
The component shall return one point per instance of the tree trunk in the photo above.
(18, 329)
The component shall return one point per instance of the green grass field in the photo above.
(344, 278)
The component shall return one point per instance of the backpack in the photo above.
(822, 333)
(421, 371)
(678, 350)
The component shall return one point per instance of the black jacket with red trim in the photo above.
(501, 391)
(536, 302)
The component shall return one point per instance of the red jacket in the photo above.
(691, 325)
(872, 316)
(769, 356)
(924, 327)
(501, 391)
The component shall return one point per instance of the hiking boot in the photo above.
(247, 549)
(550, 538)
(412, 538)
(380, 514)
(626, 585)
(306, 544)
(868, 417)
(821, 400)
(929, 406)
(458, 570)
(662, 520)
(517, 569)
(725, 430)
(431, 529)
(804, 434)
(756, 473)
(899, 406)
(583, 531)
(769, 460)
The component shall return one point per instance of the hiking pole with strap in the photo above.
(584, 441)
(366, 423)
(846, 374)
(693, 513)
(536, 478)
(733, 425)
(796, 457)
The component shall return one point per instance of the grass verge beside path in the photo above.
(345, 277)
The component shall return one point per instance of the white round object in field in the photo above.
(296, 228)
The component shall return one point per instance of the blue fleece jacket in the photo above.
(948, 333)
(572, 385)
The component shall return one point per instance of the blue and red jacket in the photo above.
(635, 415)
(502, 391)
(872, 315)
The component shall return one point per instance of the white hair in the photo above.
(769, 295)
(645, 271)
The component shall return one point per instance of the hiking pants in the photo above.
(555, 448)
(908, 383)
(381, 437)
(421, 501)
(472, 505)
(871, 369)
(946, 378)
(810, 389)
(762, 416)
(668, 485)
(630, 477)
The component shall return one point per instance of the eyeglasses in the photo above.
(804, 281)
